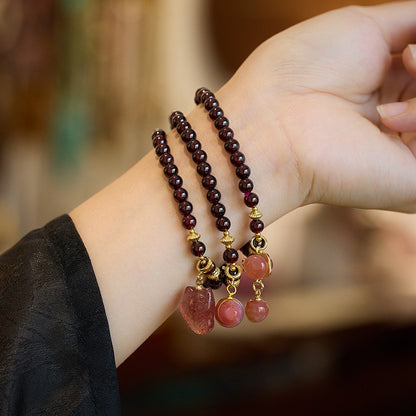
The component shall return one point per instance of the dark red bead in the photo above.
(188, 135)
(237, 158)
(246, 185)
(257, 226)
(198, 93)
(180, 194)
(243, 171)
(166, 159)
(215, 113)
(223, 223)
(163, 148)
(213, 196)
(199, 156)
(158, 141)
(193, 145)
(210, 103)
(205, 95)
(203, 168)
(185, 207)
(231, 145)
(170, 170)
(221, 122)
(226, 133)
(189, 221)
(251, 200)
(213, 284)
(218, 210)
(175, 118)
(198, 248)
(158, 132)
(182, 126)
(230, 255)
(209, 182)
(175, 181)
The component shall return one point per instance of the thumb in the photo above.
(399, 116)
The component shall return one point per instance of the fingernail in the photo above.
(392, 109)
(412, 49)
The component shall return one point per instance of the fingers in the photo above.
(400, 116)
(409, 59)
(397, 23)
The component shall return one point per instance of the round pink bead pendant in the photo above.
(256, 310)
(256, 266)
(229, 312)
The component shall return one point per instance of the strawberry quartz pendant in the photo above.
(198, 309)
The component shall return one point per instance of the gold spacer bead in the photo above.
(193, 236)
(227, 240)
(255, 214)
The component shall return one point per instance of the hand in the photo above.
(318, 84)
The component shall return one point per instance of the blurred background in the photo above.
(82, 86)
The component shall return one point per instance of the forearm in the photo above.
(132, 229)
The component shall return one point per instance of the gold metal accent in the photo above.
(232, 290)
(259, 248)
(233, 279)
(193, 236)
(227, 240)
(215, 275)
(204, 265)
(255, 214)
(258, 287)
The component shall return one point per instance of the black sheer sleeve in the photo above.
(56, 356)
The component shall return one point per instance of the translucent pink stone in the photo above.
(256, 310)
(256, 266)
(198, 309)
(229, 312)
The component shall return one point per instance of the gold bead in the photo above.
(255, 214)
(227, 240)
(193, 236)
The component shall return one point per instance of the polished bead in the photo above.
(185, 207)
(189, 221)
(175, 118)
(246, 185)
(213, 196)
(166, 159)
(210, 103)
(170, 170)
(256, 266)
(237, 158)
(215, 113)
(163, 148)
(229, 312)
(198, 248)
(198, 94)
(159, 140)
(213, 284)
(230, 255)
(158, 133)
(199, 156)
(180, 194)
(209, 182)
(223, 223)
(198, 309)
(251, 200)
(175, 181)
(188, 135)
(218, 210)
(221, 122)
(193, 145)
(182, 126)
(231, 146)
(256, 310)
(203, 168)
(242, 171)
(226, 133)
(205, 95)
(257, 226)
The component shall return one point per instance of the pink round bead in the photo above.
(256, 266)
(229, 312)
(256, 310)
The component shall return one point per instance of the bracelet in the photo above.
(229, 310)
(198, 305)
(258, 265)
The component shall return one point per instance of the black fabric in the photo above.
(56, 356)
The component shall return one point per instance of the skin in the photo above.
(304, 108)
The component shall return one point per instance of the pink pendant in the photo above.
(198, 308)
(256, 266)
(229, 312)
(256, 310)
